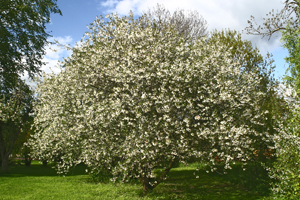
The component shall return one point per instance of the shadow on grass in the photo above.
(37, 169)
(181, 183)
(255, 178)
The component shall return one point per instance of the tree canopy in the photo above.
(23, 36)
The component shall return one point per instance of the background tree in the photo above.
(276, 21)
(291, 41)
(190, 25)
(15, 106)
(286, 169)
(287, 22)
(134, 100)
(23, 36)
(22, 45)
(21, 150)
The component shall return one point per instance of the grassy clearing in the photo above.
(38, 182)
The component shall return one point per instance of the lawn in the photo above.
(39, 182)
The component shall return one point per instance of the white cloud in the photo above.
(220, 14)
(109, 4)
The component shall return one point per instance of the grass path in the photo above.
(38, 182)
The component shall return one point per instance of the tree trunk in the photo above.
(4, 165)
(146, 182)
(6, 146)
(27, 160)
(45, 163)
(146, 186)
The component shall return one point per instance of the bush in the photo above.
(286, 169)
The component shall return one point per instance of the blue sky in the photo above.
(219, 14)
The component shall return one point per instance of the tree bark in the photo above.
(27, 160)
(146, 182)
(6, 149)
(146, 186)
(45, 163)
(4, 158)
(4, 165)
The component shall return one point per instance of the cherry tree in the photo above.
(132, 101)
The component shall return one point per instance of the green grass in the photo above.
(38, 182)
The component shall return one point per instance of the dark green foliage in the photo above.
(291, 41)
(23, 36)
(15, 119)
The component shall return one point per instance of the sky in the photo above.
(219, 14)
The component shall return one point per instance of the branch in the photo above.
(162, 177)
(275, 22)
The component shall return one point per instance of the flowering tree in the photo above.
(133, 100)
(250, 60)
